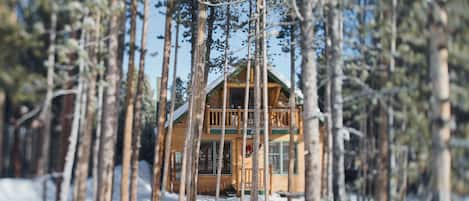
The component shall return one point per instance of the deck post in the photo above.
(207, 118)
(239, 120)
(270, 177)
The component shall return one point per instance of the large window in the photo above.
(209, 155)
(278, 157)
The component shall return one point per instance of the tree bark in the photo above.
(336, 64)
(440, 102)
(162, 104)
(129, 106)
(311, 109)
(391, 151)
(138, 104)
(46, 113)
(225, 91)
(110, 110)
(97, 141)
(262, 10)
(257, 115)
(292, 103)
(246, 106)
(200, 106)
(168, 140)
(73, 138)
(81, 171)
(196, 109)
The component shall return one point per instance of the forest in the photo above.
(113, 100)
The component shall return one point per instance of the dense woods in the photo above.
(376, 99)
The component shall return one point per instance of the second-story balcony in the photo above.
(279, 120)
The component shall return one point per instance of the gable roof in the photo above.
(181, 110)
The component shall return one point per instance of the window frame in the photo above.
(284, 170)
(215, 156)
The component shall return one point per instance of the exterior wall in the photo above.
(279, 181)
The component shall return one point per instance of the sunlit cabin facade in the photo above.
(278, 92)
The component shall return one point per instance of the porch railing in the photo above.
(279, 118)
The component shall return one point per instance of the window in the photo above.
(278, 157)
(209, 155)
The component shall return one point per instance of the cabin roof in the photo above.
(181, 110)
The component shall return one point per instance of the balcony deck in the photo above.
(279, 120)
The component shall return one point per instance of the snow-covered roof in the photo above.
(181, 110)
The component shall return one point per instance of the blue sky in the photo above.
(279, 60)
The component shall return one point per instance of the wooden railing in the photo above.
(248, 179)
(278, 118)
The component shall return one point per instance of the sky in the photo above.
(153, 61)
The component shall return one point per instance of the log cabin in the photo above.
(279, 125)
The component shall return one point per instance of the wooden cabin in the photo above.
(278, 93)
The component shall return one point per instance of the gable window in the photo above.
(278, 157)
(208, 157)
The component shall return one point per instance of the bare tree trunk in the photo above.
(169, 135)
(73, 139)
(110, 110)
(225, 91)
(196, 109)
(328, 157)
(129, 106)
(257, 115)
(311, 109)
(162, 104)
(81, 171)
(46, 113)
(246, 107)
(441, 106)
(391, 152)
(292, 102)
(138, 104)
(200, 106)
(97, 142)
(262, 10)
(336, 64)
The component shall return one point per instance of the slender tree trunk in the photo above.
(441, 106)
(336, 64)
(262, 6)
(310, 114)
(292, 102)
(200, 106)
(129, 106)
(138, 104)
(162, 104)
(328, 157)
(257, 115)
(196, 108)
(110, 110)
(81, 170)
(73, 139)
(169, 135)
(391, 152)
(46, 113)
(246, 107)
(97, 141)
(223, 116)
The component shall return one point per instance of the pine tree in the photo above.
(441, 107)
(311, 109)
(129, 106)
(138, 106)
(162, 105)
(110, 109)
(334, 26)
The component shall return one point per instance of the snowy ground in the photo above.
(31, 189)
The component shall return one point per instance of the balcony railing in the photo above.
(279, 118)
